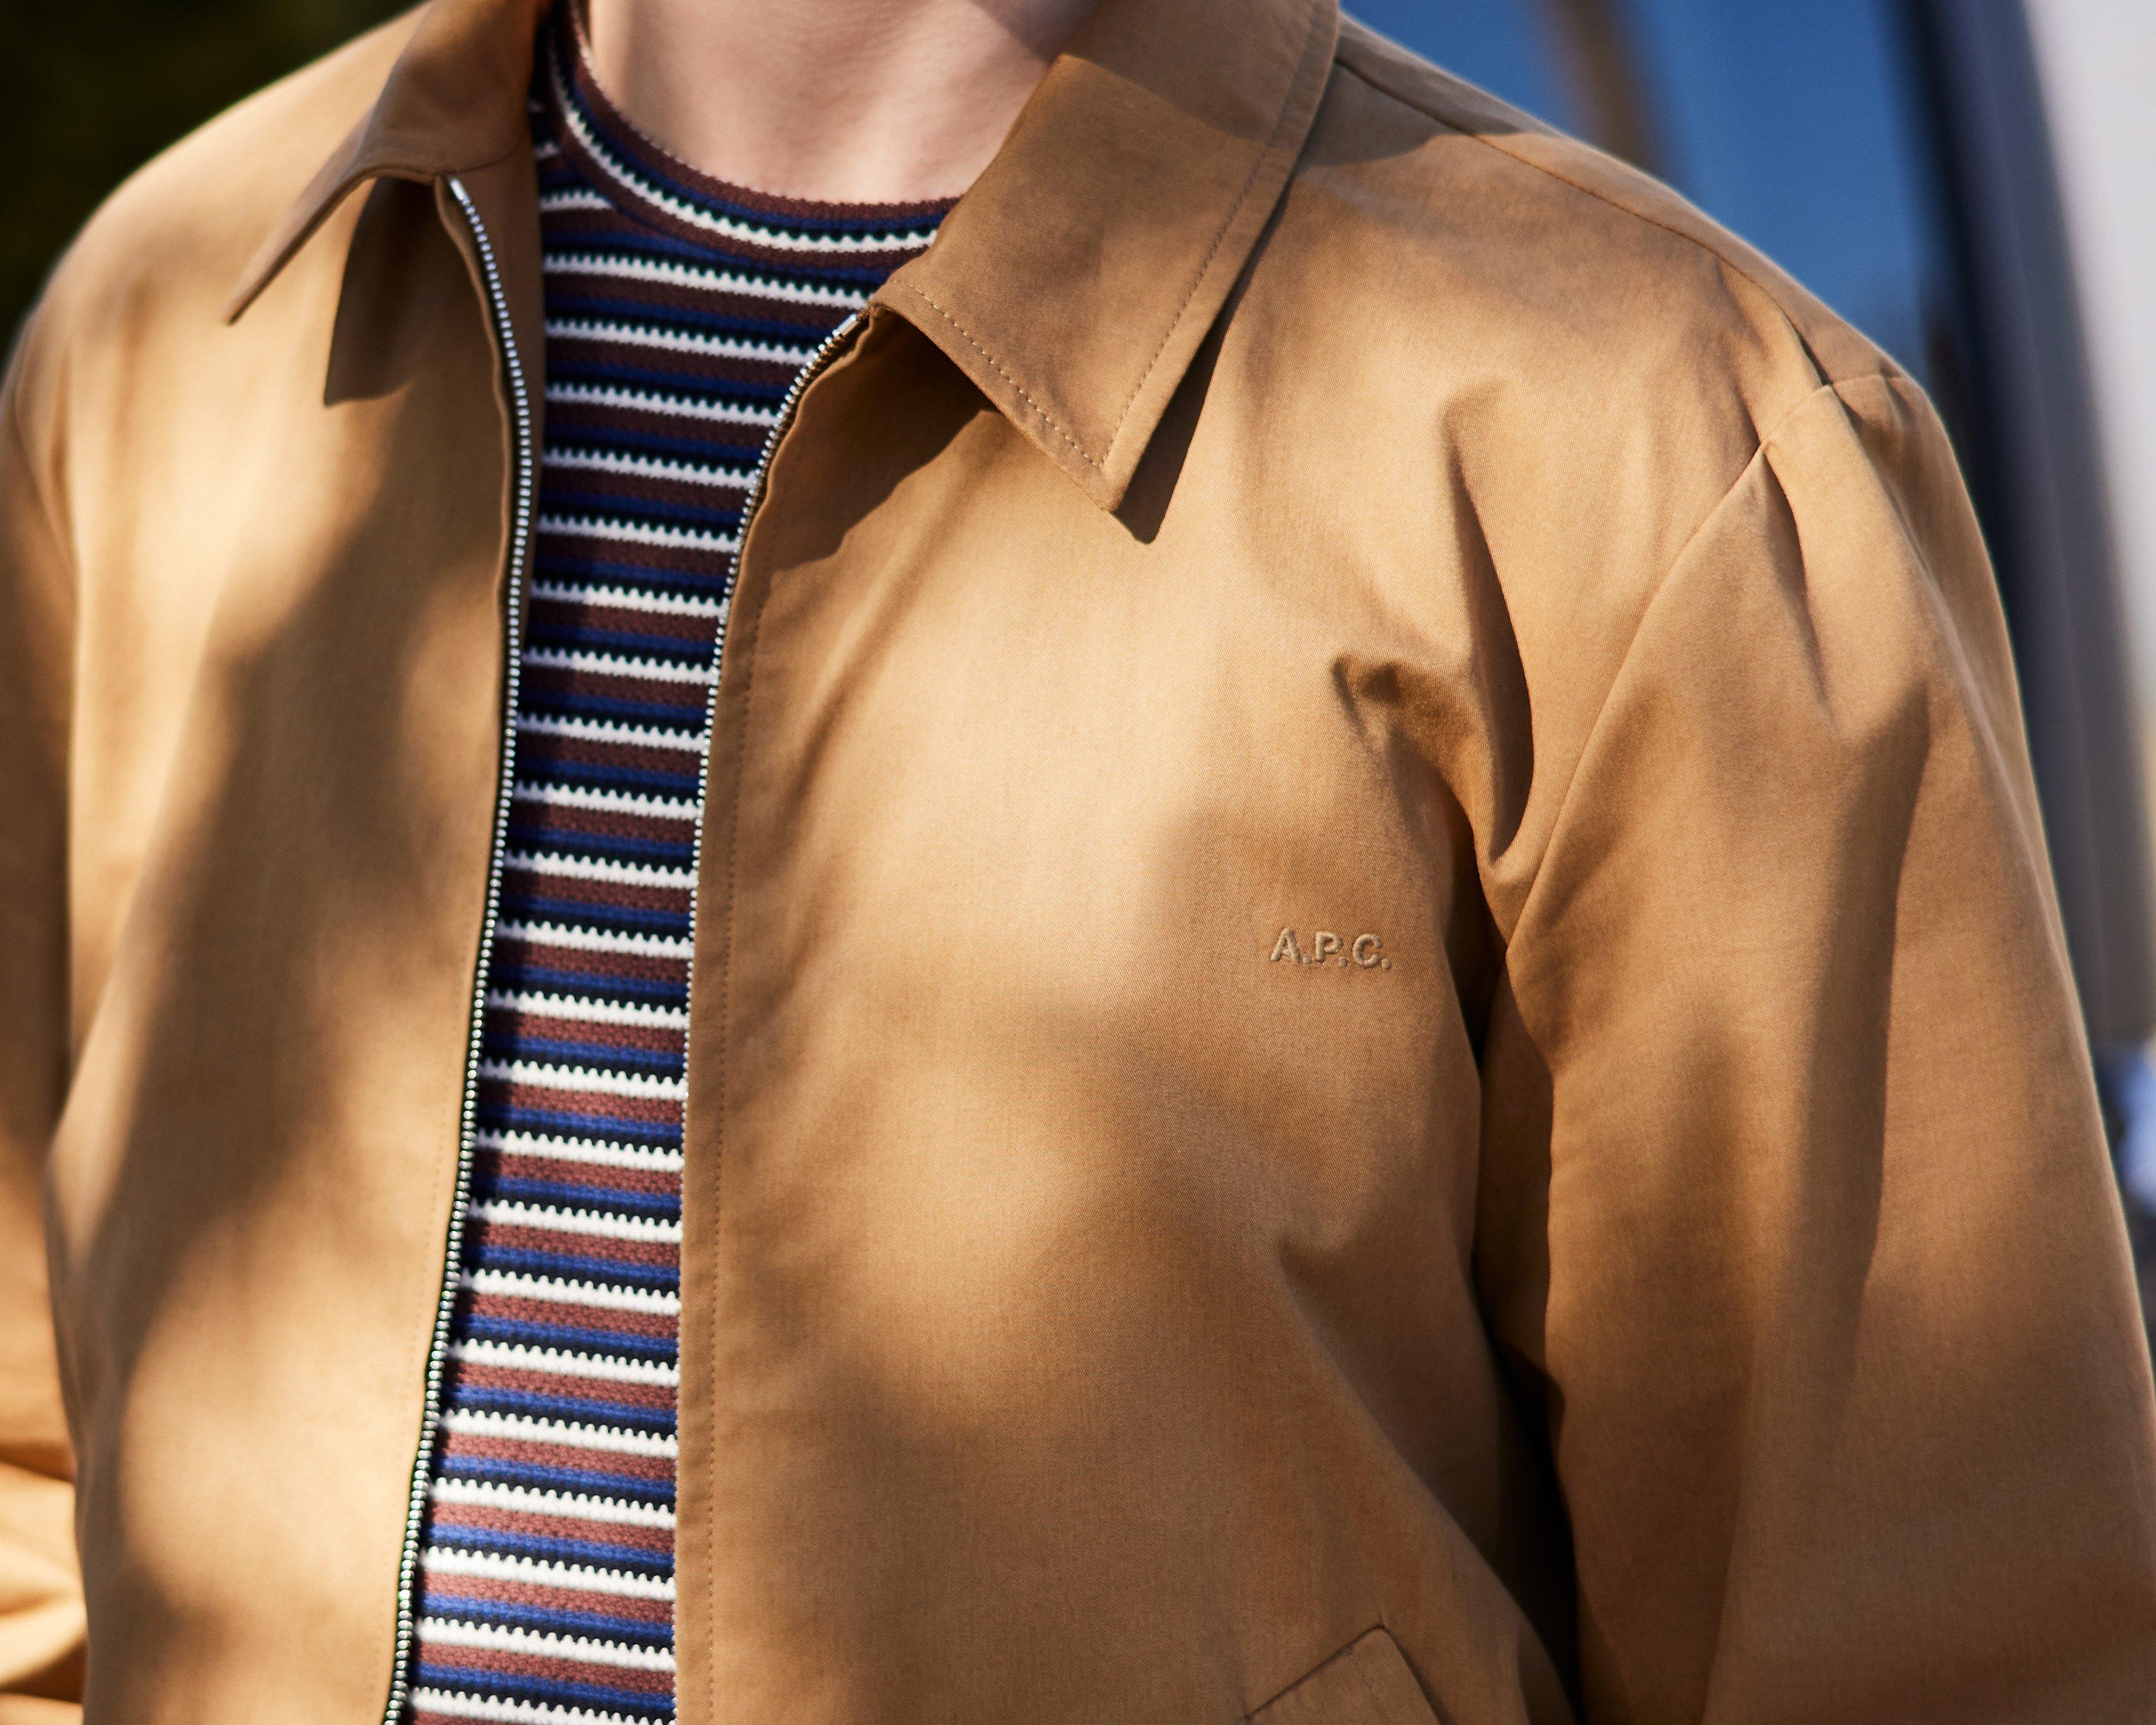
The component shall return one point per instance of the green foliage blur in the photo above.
(90, 89)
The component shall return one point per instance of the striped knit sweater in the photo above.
(679, 310)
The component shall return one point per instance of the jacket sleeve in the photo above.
(41, 1613)
(1797, 1216)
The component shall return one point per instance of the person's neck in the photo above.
(842, 101)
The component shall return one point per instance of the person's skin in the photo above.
(852, 102)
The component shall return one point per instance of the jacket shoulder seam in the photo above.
(1736, 265)
(1839, 389)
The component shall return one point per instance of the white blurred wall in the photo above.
(2099, 67)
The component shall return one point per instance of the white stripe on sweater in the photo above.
(569, 1434)
(586, 868)
(666, 340)
(548, 1147)
(579, 526)
(584, 1650)
(533, 1572)
(560, 1362)
(612, 730)
(587, 940)
(512, 1285)
(567, 796)
(617, 664)
(449, 1705)
(540, 1076)
(575, 1506)
(560, 1006)
(680, 407)
(620, 598)
(591, 1223)
(625, 266)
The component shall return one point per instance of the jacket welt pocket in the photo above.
(1366, 1682)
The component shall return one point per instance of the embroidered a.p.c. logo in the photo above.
(1365, 952)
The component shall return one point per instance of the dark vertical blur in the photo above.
(90, 89)
(2039, 484)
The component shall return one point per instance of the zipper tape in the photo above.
(524, 501)
(519, 542)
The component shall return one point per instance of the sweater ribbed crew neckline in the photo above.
(645, 181)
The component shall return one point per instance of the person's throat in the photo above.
(840, 102)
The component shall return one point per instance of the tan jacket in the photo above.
(1378, 1032)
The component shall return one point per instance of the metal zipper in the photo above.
(520, 541)
(526, 458)
(784, 419)
(788, 402)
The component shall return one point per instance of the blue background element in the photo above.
(1800, 128)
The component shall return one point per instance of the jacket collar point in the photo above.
(1074, 283)
(452, 103)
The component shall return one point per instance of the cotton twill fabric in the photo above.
(1681, 1282)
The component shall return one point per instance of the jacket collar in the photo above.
(1072, 284)
(454, 102)
(1075, 281)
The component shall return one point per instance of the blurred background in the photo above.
(1972, 183)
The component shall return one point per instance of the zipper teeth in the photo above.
(786, 403)
(430, 1419)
